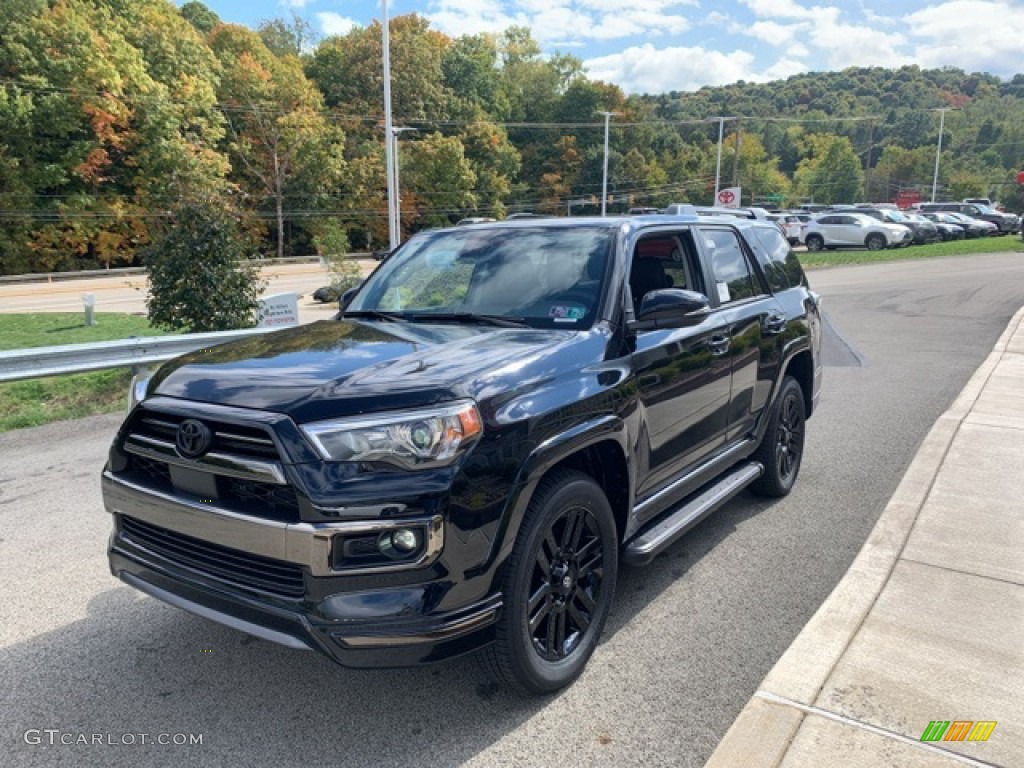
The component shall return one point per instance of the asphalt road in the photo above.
(127, 293)
(689, 639)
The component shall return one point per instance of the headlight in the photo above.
(137, 390)
(409, 439)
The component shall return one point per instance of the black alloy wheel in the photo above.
(782, 446)
(557, 586)
(814, 242)
(566, 585)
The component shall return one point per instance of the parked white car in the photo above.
(853, 230)
(790, 225)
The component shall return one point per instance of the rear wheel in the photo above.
(875, 242)
(557, 587)
(782, 446)
(814, 242)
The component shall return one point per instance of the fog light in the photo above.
(405, 540)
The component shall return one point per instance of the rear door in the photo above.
(749, 313)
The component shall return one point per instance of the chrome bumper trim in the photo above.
(305, 544)
(216, 463)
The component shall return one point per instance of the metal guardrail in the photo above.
(51, 277)
(19, 364)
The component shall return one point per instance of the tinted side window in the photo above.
(772, 250)
(829, 220)
(733, 280)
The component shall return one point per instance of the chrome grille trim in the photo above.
(217, 463)
(305, 544)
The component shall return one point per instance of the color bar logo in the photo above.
(958, 730)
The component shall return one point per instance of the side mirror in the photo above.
(671, 308)
(346, 297)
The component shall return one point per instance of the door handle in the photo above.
(719, 345)
(774, 324)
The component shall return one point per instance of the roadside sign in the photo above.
(281, 309)
(729, 197)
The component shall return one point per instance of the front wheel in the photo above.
(557, 587)
(814, 242)
(782, 446)
(875, 242)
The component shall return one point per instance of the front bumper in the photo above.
(397, 625)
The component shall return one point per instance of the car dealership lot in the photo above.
(688, 641)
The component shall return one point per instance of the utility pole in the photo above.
(736, 157)
(389, 152)
(718, 162)
(867, 164)
(604, 178)
(938, 151)
(395, 132)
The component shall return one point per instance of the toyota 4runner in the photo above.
(498, 418)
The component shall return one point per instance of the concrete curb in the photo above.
(761, 735)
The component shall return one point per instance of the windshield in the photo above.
(545, 276)
(986, 210)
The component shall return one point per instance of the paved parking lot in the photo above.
(689, 639)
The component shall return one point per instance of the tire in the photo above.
(875, 242)
(782, 446)
(562, 574)
(814, 242)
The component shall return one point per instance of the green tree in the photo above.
(199, 16)
(833, 174)
(283, 146)
(440, 178)
(200, 278)
(287, 38)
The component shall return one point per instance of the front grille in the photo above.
(230, 566)
(236, 439)
(250, 496)
(277, 502)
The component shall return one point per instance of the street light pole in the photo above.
(718, 162)
(396, 186)
(389, 152)
(938, 152)
(604, 178)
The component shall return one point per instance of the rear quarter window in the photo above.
(772, 251)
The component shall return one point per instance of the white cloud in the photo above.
(717, 18)
(977, 35)
(646, 69)
(771, 32)
(294, 3)
(472, 17)
(777, 9)
(847, 45)
(335, 24)
(564, 21)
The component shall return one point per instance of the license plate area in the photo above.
(202, 485)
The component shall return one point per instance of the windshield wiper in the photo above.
(470, 317)
(374, 314)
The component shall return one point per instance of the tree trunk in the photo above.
(279, 203)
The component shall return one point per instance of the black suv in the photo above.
(1006, 222)
(462, 458)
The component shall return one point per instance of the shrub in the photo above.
(200, 277)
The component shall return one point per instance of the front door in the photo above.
(682, 374)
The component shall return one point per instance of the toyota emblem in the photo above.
(193, 439)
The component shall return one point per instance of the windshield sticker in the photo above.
(562, 314)
(723, 292)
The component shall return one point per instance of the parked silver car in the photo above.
(853, 230)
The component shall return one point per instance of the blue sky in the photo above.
(661, 45)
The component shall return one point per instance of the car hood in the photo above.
(333, 368)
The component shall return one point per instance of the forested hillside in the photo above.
(116, 113)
